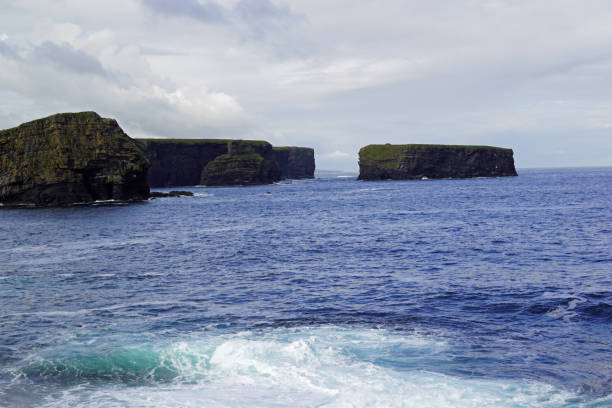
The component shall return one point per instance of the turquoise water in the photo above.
(316, 293)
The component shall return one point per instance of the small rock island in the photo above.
(70, 158)
(419, 161)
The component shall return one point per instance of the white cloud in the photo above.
(337, 155)
(331, 75)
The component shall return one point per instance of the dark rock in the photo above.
(173, 193)
(295, 162)
(70, 158)
(401, 162)
(179, 162)
(245, 163)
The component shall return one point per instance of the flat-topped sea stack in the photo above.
(295, 162)
(70, 158)
(418, 161)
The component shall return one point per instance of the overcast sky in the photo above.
(533, 75)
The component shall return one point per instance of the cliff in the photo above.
(414, 161)
(295, 162)
(180, 162)
(70, 158)
(245, 163)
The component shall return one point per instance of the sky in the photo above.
(335, 75)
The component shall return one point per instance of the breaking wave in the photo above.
(303, 367)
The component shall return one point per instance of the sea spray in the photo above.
(304, 367)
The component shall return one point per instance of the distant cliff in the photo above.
(416, 161)
(245, 163)
(295, 162)
(70, 158)
(214, 162)
(181, 162)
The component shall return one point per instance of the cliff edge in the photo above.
(70, 158)
(245, 163)
(181, 162)
(417, 161)
(295, 162)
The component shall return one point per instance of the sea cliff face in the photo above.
(179, 162)
(402, 162)
(70, 158)
(245, 163)
(216, 162)
(295, 162)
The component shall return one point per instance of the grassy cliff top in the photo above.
(388, 151)
(199, 141)
(83, 116)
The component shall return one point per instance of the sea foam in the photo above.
(303, 367)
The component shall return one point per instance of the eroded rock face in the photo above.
(295, 162)
(70, 158)
(401, 162)
(245, 163)
(179, 162)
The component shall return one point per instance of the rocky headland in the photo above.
(70, 158)
(180, 162)
(295, 162)
(245, 163)
(217, 162)
(417, 161)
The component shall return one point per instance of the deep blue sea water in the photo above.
(316, 293)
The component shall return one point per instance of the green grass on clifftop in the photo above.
(199, 141)
(291, 148)
(386, 155)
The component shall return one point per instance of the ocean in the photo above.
(331, 292)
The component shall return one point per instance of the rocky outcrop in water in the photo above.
(401, 162)
(70, 158)
(174, 193)
(295, 162)
(245, 163)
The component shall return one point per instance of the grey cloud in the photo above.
(160, 52)
(7, 51)
(206, 12)
(250, 10)
(67, 57)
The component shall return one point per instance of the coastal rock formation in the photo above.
(179, 162)
(174, 193)
(295, 162)
(417, 161)
(245, 163)
(70, 158)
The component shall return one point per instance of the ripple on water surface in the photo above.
(327, 292)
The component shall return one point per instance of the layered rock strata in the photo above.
(295, 162)
(245, 163)
(70, 158)
(412, 161)
(181, 162)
